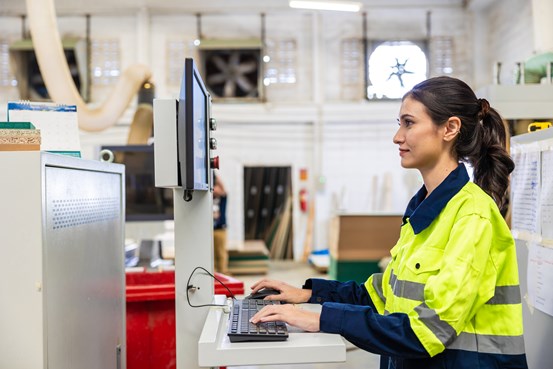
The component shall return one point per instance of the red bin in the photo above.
(151, 317)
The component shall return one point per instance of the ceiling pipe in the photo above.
(57, 78)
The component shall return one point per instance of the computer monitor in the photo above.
(193, 130)
(143, 200)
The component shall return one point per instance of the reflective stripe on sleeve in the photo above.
(377, 285)
(442, 330)
(505, 295)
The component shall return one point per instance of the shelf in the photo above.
(530, 101)
(215, 349)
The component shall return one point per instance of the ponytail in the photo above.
(493, 164)
(482, 139)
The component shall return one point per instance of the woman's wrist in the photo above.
(306, 294)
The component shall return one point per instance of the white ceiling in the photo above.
(68, 7)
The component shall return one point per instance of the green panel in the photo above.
(349, 270)
(76, 154)
(16, 125)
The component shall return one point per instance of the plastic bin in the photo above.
(151, 317)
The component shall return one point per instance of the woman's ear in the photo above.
(452, 128)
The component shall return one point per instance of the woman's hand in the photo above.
(291, 314)
(288, 293)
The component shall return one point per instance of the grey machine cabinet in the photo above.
(62, 274)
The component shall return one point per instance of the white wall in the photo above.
(346, 146)
(261, 144)
(503, 33)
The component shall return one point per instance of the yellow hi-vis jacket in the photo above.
(456, 278)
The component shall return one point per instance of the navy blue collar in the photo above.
(422, 212)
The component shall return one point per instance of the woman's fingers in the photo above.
(269, 313)
(290, 314)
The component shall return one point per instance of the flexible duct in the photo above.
(57, 78)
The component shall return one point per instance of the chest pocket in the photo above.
(423, 264)
(411, 281)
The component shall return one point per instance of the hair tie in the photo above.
(484, 108)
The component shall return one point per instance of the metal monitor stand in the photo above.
(193, 237)
(193, 248)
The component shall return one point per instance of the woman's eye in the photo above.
(405, 122)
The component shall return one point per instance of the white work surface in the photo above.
(215, 348)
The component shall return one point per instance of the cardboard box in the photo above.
(358, 237)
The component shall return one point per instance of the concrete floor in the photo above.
(296, 273)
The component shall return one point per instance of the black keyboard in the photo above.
(241, 330)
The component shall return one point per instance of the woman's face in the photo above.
(420, 141)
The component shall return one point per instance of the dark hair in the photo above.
(482, 138)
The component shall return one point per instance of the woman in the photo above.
(450, 296)
(220, 262)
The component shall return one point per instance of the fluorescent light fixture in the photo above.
(344, 6)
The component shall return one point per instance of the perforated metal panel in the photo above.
(79, 211)
(83, 257)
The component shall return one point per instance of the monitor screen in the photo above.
(143, 201)
(192, 129)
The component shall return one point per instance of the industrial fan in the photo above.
(232, 73)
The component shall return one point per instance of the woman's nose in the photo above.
(398, 137)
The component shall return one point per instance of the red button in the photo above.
(215, 162)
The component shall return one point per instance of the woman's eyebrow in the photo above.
(405, 116)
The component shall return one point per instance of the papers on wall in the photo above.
(540, 277)
(532, 206)
(57, 123)
(546, 203)
(525, 189)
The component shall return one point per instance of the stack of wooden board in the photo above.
(268, 208)
(358, 242)
(280, 236)
(19, 136)
(248, 257)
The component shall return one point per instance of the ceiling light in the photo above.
(344, 6)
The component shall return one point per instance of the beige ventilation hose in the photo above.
(57, 78)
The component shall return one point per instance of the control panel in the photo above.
(214, 160)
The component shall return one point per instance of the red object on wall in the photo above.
(304, 199)
(151, 317)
